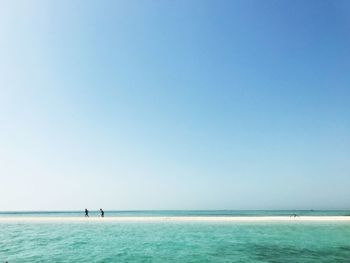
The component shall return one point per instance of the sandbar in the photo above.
(20, 219)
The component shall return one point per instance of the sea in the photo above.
(175, 241)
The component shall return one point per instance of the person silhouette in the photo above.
(86, 213)
(102, 213)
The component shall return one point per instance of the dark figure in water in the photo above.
(86, 213)
(102, 213)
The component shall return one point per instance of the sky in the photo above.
(180, 104)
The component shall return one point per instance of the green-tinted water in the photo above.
(175, 242)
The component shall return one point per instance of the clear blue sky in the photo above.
(174, 104)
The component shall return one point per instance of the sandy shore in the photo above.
(178, 219)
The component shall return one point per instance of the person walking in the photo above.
(102, 212)
(86, 213)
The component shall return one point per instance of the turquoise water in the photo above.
(175, 242)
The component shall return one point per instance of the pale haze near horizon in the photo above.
(174, 105)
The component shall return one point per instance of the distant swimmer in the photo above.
(102, 213)
(86, 213)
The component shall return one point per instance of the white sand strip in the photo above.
(177, 219)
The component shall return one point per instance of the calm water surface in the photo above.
(175, 242)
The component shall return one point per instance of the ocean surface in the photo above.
(162, 241)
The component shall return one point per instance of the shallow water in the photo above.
(175, 242)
